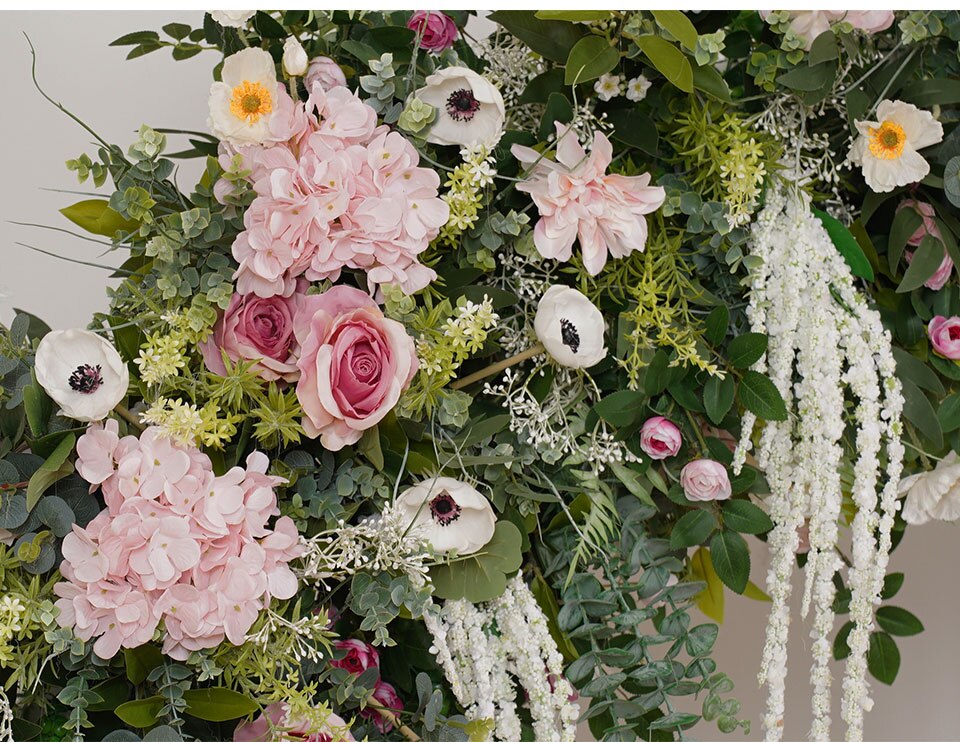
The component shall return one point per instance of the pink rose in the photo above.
(360, 656)
(386, 696)
(437, 30)
(705, 479)
(660, 438)
(326, 72)
(354, 363)
(276, 717)
(255, 329)
(945, 336)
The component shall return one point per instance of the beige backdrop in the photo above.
(114, 97)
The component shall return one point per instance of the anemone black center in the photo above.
(569, 335)
(86, 379)
(462, 105)
(444, 509)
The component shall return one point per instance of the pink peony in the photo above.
(359, 655)
(275, 723)
(576, 198)
(437, 30)
(325, 72)
(660, 438)
(386, 696)
(354, 365)
(705, 479)
(255, 329)
(944, 336)
(341, 193)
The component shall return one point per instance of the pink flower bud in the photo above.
(660, 438)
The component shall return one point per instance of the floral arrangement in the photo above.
(451, 401)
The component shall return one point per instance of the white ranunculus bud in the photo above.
(295, 60)
(570, 328)
(232, 18)
(448, 513)
(82, 372)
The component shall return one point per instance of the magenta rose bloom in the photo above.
(360, 656)
(944, 335)
(660, 438)
(354, 365)
(437, 31)
(705, 479)
(255, 329)
(385, 695)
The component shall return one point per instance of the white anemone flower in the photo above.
(82, 372)
(886, 149)
(232, 18)
(933, 495)
(470, 110)
(242, 103)
(570, 328)
(449, 513)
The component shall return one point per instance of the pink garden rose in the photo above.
(255, 329)
(437, 30)
(275, 723)
(354, 363)
(809, 24)
(928, 227)
(577, 199)
(360, 655)
(385, 695)
(705, 479)
(660, 438)
(944, 335)
(325, 71)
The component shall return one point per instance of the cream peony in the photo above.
(886, 149)
(470, 109)
(933, 495)
(82, 372)
(449, 513)
(242, 104)
(570, 328)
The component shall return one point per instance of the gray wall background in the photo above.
(77, 67)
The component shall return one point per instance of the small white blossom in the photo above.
(637, 88)
(608, 86)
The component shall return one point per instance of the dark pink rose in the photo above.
(255, 329)
(944, 333)
(275, 721)
(385, 695)
(354, 363)
(359, 657)
(660, 438)
(437, 30)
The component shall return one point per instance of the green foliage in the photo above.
(481, 576)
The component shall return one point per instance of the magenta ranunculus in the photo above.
(255, 329)
(705, 479)
(944, 335)
(437, 30)
(326, 72)
(386, 695)
(359, 657)
(660, 438)
(354, 363)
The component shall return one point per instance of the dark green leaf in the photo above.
(761, 397)
(56, 467)
(711, 82)
(935, 92)
(141, 713)
(718, 396)
(633, 127)
(745, 517)
(589, 58)
(621, 408)
(883, 657)
(548, 38)
(538, 90)
(715, 326)
(140, 661)
(840, 648)
(845, 242)
(891, 585)
(911, 368)
(558, 108)
(745, 350)
(177, 30)
(824, 48)
(951, 181)
(136, 38)
(731, 559)
(692, 529)
(809, 79)
(898, 621)
(658, 374)
(918, 410)
(905, 222)
(481, 576)
(924, 264)
(701, 639)
(267, 26)
(574, 16)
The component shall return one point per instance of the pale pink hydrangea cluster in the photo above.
(336, 191)
(176, 544)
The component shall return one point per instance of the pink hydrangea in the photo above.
(176, 544)
(577, 199)
(339, 192)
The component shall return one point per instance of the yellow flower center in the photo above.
(886, 142)
(250, 101)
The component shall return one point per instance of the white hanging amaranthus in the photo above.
(824, 340)
(480, 646)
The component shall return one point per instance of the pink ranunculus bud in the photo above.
(705, 479)
(660, 438)
(326, 72)
(437, 30)
(944, 333)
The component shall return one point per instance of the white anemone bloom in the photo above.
(570, 328)
(470, 109)
(933, 495)
(449, 513)
(82, 372)
(886, 149)
(242, 103)
(232, 18)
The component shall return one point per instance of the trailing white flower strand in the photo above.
(480, 646)
(824, 341)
